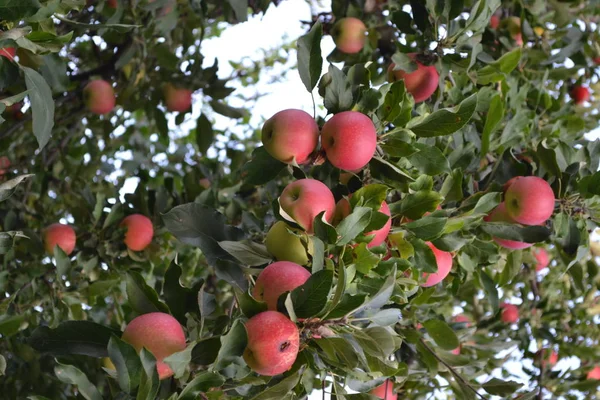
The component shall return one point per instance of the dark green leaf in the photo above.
(338, 93)
(369, 196)
(204, 134)
(310, 298)
(527, 234)
(8, 188)
(445, 121)
(201, 383)
(42, 105)
(247, 252)
(442, 334)
(261, 168)
(72, 337)
(142, 297)
(127, 362)
(248, 304)
(240, 9)
(353, 225)
(414, 205)
(429, 160)
(281, 389)
(179, 299)
(74, 376)
(494, 115)
(427, 228)
(497, 70)
(502, 388)
(149, 383)
(16, 10)
(233, 345)
(310, 60)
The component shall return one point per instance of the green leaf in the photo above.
(261, 168)
(226, 110)
(338, 91)
(363, 259)
(310, 298)
(240, 9)
(387, 317)
(7, 240)
(414, 205)
(497, 70)
(142, 297)
(353, 225)
(424, 258)
(397, 105)
(74, 376)
(495, 114)
(8, 188)
(442, 334)
(588, 186)
(248, 304)
(382, 296)
(72, 337)
(347, 305)
(445, 121)
(247, 252)
(369, 196)
(11, 324)
(429, 160)
(452, 186)
(511, 268)
(179, 299)
(42, 105)
(527, 234)
(487, 202)
(149, 383)
(281, 389)
(310, 59)
(204, 134)
(427, 228)
(233, 345)
(127, 362)
(179, 361)
(2, 365)
(201, 383)
(502, 388)
(16, 10)
(205, 352)
(63, 262)
(490, 288)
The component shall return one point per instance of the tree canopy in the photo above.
(513, 93)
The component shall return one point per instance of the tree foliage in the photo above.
(502, 109)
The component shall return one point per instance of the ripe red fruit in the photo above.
(59, 235)
(139, 231)
(8, 52)
(276, 279)
(542, 258)
(4, 164)
(494, 22)
(290, 134)
(594, 373)
(596, 60)
(443, 260)
(111, 3)
(421, 83)
(349, 35)
(273, 343)
(385, 391)
(510, 313)
(529, 200)
(304, 199)
(159, 333)
(580, 94)
(99, 96)
(461, 318)
(179, 100)
(499, 214)
(349, 139)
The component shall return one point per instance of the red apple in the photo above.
(290, 134)
(542, 258)
(529, 200)
(349, 139)
(385, 391)
(4, 165)
(461, 318)
(342, 210)
(59, 235)
(596, 60)
(111, 3)
(139, 231)
(304, 199)
(510, 313)
(159, 333)
(594, 373)
(99, 96)
(276, 279)
(8, 52)
(580, 94)
(456, 351)
(499, 214)
(443, 260)
(349, 35)
(179, 100)
(421, 83)
(494, 22)
(273, 343)
(510, 182)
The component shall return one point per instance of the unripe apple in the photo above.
(276, 279)
(529, 200)
(499, 214)
(290, 134)
(494, 22)
(179, 100)
(385, 391)
(286, 246)
(421, 83)
(349, 139)
(580, 94)
(139, 231)
(59, 235)
(273, 343)
(349, 35)
(99, 96)
(510, 313)
(594, 373)
(342, 210)
(443, 260)
(4, 164)
(8, 52)
(159, 333)
(542, 258)
(304, 199)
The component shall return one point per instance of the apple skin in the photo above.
(178, 100)
(499, 214)
(542, 258)
(8, 52)
(461, 318)
(594, 373)
(596, 60)
(342, 210)
(456, 351)
(139, 231)
(273, 343)
(421, 83)
(59, 235)
(111, 3)
(510, 313)
(159, 333)
(304, 199)
(380, 391)
(99, 96)
(444, 263)
(4, 165)
(349, 139)
(349, 35)
(494, 22)
(286, 246)
(510, 182)
(290, 134)
(529, 200)
(277, 278)
(580, 94)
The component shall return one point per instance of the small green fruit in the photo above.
(286, 246)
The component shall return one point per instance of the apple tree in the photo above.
(425, 230)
